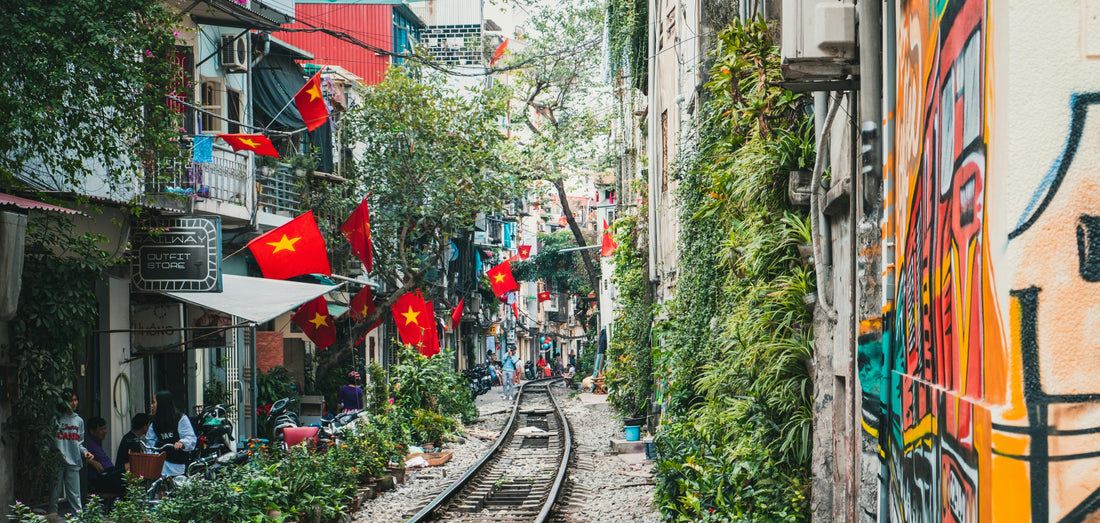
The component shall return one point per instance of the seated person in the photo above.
(139, 426)
(570, 372)
(104, 476)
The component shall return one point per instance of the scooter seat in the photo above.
(292, 436)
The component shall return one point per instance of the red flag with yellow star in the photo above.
(523, 254)
(544, 296)
(316, 322)
(357, 229)
(415, 322)
(456, 314)
(293, 249)
(311, 103)
(256, 143)
(431, 334)
(362, 307)
(501, 279)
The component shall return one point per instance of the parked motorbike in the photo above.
(214, 430)
(280, 417)
(529, 370)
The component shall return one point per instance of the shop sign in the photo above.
(178, 254)
(156, 327)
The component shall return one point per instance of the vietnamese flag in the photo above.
(316, 322)
(256, 143)
(311, 103)
(523, 254)
(502, 280)
(544, 296)
(456, 315)
(357, 230)
(362, 306)
(498, 53)
(414, 321)
(293, 249)
(431, 335)
(609, 245)
(515, 309)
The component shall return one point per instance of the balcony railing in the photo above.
(280, 190)
(226, 178)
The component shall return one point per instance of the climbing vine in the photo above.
(57, 311)
(732, 359)
(627, 39)
(630, 362)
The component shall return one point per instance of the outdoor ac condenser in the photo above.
(234, 53)
(819, 39)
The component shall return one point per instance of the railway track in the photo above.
(521, 477)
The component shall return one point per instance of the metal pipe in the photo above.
(889, 198)
(654, 128)
(571, 249)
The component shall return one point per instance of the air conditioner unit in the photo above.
(552, 305)
(234, 53)
(819, 40)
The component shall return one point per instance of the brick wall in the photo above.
(269, 350)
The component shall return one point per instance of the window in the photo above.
(233, 105)
(211, 103)
(222, 107)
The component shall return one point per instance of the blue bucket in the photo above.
(632, 433)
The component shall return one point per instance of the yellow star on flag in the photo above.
(364, 312)
(249, 142)
(499, 277)
(285, 244)
(314, 92)
(319, 320)
(410, 317)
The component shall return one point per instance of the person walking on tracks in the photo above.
(510, 364)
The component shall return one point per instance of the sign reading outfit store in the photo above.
(179, 254)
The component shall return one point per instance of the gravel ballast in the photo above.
(603, 488)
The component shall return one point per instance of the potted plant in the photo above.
(303, 164)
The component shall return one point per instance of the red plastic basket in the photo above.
(146, 466)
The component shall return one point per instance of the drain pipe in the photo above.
(889, 57)
(819, 226)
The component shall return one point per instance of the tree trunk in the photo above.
(586, 255)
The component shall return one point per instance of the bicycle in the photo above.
(149, 467)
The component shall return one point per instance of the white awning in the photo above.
(255, 299)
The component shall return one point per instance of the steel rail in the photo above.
(477, 467)
(552, 498)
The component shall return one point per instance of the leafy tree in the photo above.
(549, 264)
(430, 160)
(562, 102)
(85, 86)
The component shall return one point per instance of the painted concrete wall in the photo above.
(982, 389)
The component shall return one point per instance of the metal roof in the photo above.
(24, 203)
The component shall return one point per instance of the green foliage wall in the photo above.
(57, 311)
(629, 359)
(732, 364)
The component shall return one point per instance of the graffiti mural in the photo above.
(984, 414)
(932, 422)
(1054, 433)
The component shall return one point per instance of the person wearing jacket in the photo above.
(171, 426)
(70, 442)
